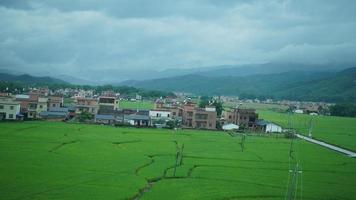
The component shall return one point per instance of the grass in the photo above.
(340, 131)
(48, 160)
(136, 104)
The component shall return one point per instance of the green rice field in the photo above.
(340, 131)
(136, 104)
(55, 160)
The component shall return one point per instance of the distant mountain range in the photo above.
(278, 81)
(100, 76)
(327, 86)
(28, 79)
(118, 75)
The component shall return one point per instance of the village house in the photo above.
(133, 117)
(24, 100)
(89, 105)
(242, 117)
(9, 108)
(137, 120)
(188, 114)
(32, 106)
(159, 117)
(42, 105)
(108, 104)
(268, 127)
(170, 105)
(202, 118)
(55, 102)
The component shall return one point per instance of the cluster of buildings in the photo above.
(166, 111)
(105, 109)
(35, 105)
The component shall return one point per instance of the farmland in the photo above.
(45, 160)
(136, 104)
(340, 131)
(257, 106)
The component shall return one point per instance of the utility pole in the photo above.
(179, 159)
(242, 143)
(181, 155)
(293, 183)
(175, 166)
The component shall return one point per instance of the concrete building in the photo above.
(137, 120)
(188, 114)
(245, 118)
(108, 104)
(202, 118)
(9, 108)
(32, 106)
(55, 102)
(160, 113)
(86, 105)
(159, 117)
(23, 99)
(42, 105)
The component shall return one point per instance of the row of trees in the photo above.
(345, 110)
(20, 87)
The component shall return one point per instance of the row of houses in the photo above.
(106, 110)
(186, 115)
(34, 105)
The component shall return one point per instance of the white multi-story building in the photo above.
(9, 108)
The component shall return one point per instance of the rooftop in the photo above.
(105, 117)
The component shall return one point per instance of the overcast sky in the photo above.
(82, 37)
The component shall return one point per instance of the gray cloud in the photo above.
(84, 37)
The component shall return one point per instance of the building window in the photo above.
(1, 106)
(11, 116)
(11, 107)
(53, 105)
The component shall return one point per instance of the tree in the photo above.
(84, 116)
(219, 107)
(173, 124)
(345, 110)
(204, 101)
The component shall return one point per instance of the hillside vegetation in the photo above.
(293, 85)
(28, 79)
